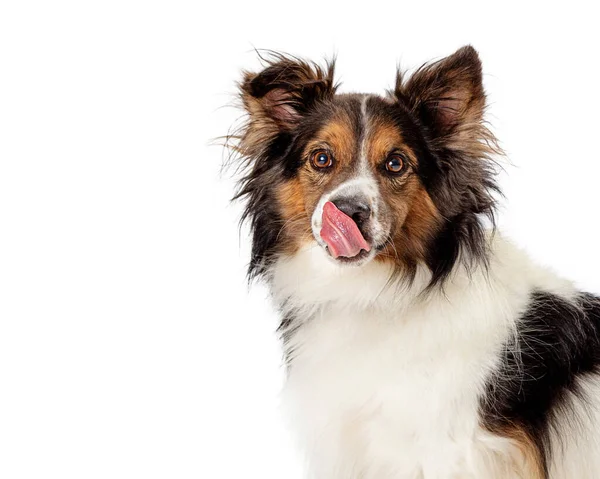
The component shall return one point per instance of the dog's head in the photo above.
(401, 179)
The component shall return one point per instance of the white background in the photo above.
(130, 345)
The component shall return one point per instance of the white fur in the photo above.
(577, 435)
(385, 382)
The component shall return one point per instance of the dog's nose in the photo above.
(356, 208)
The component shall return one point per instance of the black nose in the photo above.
(356, 208)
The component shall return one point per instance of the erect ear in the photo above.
(279, 96)
(447, 95)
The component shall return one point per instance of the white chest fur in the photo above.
(373, 398)
(385, 383)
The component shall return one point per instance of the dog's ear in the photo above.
(279, 96)
(448, 99)
(447, 96)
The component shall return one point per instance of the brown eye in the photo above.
(321, 159)
(394, 164)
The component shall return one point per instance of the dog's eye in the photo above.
(394, 164)
(321, 159)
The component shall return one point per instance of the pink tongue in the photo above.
(341, 234)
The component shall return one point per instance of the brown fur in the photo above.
(295, 230)
(411, 239)
(293, 86)
(429, 213)
(409, 209)
(528, 461)
(415, 217)
(299, 195)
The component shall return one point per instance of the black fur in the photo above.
(557, 343)
(279, 161)
(447, 102)
(440, 113)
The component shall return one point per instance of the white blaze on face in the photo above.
(362, 184)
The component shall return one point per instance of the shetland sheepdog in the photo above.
(419, 342)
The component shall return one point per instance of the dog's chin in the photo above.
(360, 259)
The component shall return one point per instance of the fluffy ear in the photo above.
(448, 98)
(278, 97)
(447, 95)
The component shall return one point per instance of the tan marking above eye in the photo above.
(387, 149)
(337, 138)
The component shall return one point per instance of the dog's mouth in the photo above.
(345, 242)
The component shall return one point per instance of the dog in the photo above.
(419, 342)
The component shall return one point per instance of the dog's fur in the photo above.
(443, 352)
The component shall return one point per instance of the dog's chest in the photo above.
(374, 396)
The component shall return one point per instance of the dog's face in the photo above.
(366, 177)
(356, 187)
